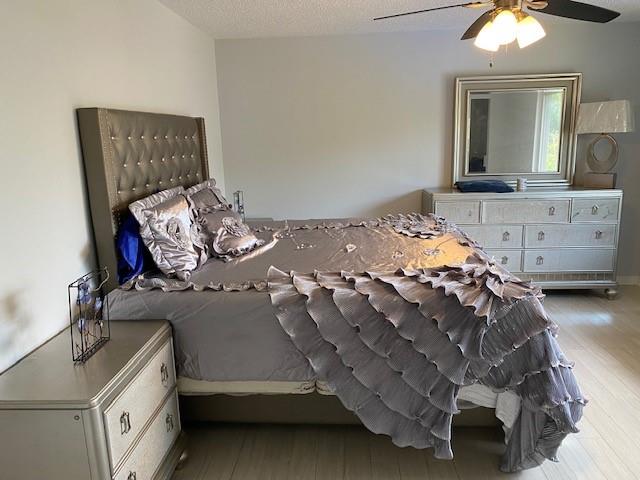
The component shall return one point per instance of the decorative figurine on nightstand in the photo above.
(88, 314)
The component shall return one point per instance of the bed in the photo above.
(234, 330)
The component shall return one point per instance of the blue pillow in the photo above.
(496, 186)
(133, 256)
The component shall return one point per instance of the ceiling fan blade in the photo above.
(579, 11)
(475, 28)
(467, 4)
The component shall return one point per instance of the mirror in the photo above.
(516, 126)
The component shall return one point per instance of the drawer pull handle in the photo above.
(506, 236)
(169, 422)
(598, 235)
(164, 373)
(125, 423)
(594, 210)
(552, 211)
(541, 236)
(540, 261)
(132, 476)
(504, 260)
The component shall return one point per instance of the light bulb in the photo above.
(486, 39)
(505, 27)
(529, 31)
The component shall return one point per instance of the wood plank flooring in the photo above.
(601, 336)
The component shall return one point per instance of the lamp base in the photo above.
(599, 180)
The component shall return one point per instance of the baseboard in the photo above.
(629, 280)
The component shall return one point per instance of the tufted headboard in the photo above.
(130, 155)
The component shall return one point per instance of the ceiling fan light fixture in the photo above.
(486, 39)
(505, 27)
(529, 31)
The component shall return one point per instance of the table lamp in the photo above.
(604, 118)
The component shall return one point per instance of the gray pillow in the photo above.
(225, 235)
(137, 208)
(206, 195)
(222, 229)
(169, 232)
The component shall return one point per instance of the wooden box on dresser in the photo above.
(558, 238)
(113, 417)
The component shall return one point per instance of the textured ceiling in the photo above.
(282, 18)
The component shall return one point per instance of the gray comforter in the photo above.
(395, 315)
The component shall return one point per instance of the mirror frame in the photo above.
(570, 82)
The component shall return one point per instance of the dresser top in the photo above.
(532, 192)
(48, 377)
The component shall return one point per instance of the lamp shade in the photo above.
(606, 117)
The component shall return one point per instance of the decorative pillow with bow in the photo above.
(223, 231)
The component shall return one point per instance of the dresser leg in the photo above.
(611, 293)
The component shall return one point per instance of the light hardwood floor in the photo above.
(601, 336)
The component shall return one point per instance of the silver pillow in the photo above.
(137, 208)
(234, 238)
(223, 231)
(206, 195)
(169, 232)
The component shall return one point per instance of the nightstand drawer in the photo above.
(154, 444)
(595, 210)
(525, 211)
(496, 236)
(538, 236)
(459, 212)
(126, 416)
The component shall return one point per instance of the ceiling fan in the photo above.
(507, 21)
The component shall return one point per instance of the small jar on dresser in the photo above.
(113, 417)
(557, 238)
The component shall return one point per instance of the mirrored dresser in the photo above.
(520, 131)
(558, 238)
(114, 417)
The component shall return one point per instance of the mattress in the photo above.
(226, 335)
(225, 328)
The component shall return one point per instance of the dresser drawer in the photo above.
(496, 236)
(154, 444)
(570, 236)
(509, 259)
(525, 211)
(125, 417)
(569, 260)
(459, 212)
(595, 210)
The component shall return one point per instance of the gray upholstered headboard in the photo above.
(129, 155)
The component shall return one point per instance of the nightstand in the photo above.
(113, 417)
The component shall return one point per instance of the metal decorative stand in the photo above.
(238, 203)
(88, 314)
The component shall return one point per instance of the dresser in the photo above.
(113, 417)
(557, 238)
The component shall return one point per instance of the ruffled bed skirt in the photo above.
(396, 348)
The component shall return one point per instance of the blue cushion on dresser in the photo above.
(497, 186)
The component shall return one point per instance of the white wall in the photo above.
(359, 125)
(58, 56)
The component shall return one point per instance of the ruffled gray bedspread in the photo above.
(396, 348)
(397, 321)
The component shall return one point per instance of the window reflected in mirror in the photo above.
(515, 131)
